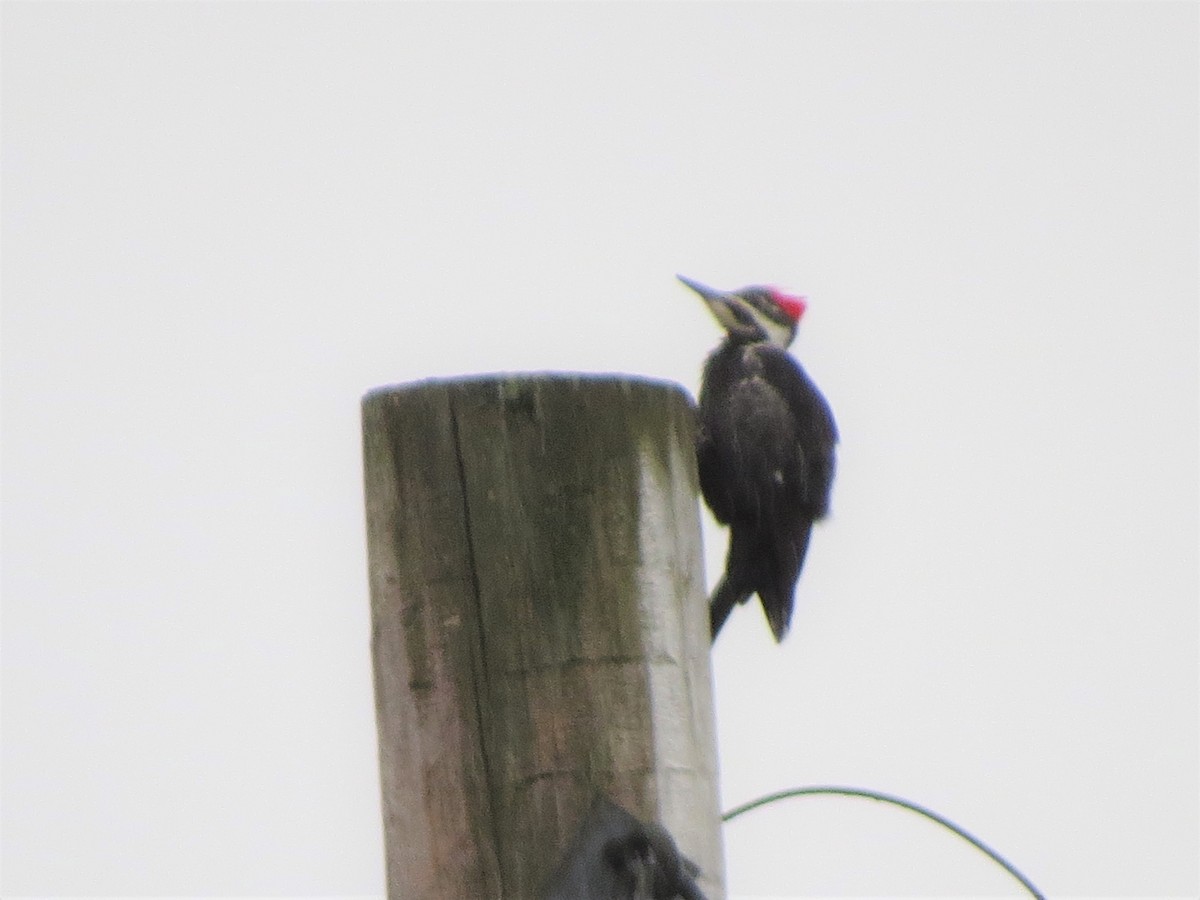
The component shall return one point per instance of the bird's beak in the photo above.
(706, 292)
(718, 303)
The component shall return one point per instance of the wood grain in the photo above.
(539, 624)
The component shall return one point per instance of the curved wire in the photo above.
(895, 801)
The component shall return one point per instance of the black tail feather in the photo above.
(778, 592)
(727, 595)
(763, 565)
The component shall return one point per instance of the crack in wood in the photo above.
(479, 648)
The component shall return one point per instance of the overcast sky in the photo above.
(222, 224)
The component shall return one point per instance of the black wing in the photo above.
(816, 430)
(766, 438)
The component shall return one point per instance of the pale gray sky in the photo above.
(223, 223)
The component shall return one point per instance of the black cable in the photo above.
(895, 801)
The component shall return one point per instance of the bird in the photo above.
(765, 450)
(616, 856)
(648, 866)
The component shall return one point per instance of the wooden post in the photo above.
(539, 627)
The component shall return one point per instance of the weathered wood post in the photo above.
(539, 625)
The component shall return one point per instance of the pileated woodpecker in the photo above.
(764, 450)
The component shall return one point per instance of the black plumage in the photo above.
(764, 450)
(649, 866)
